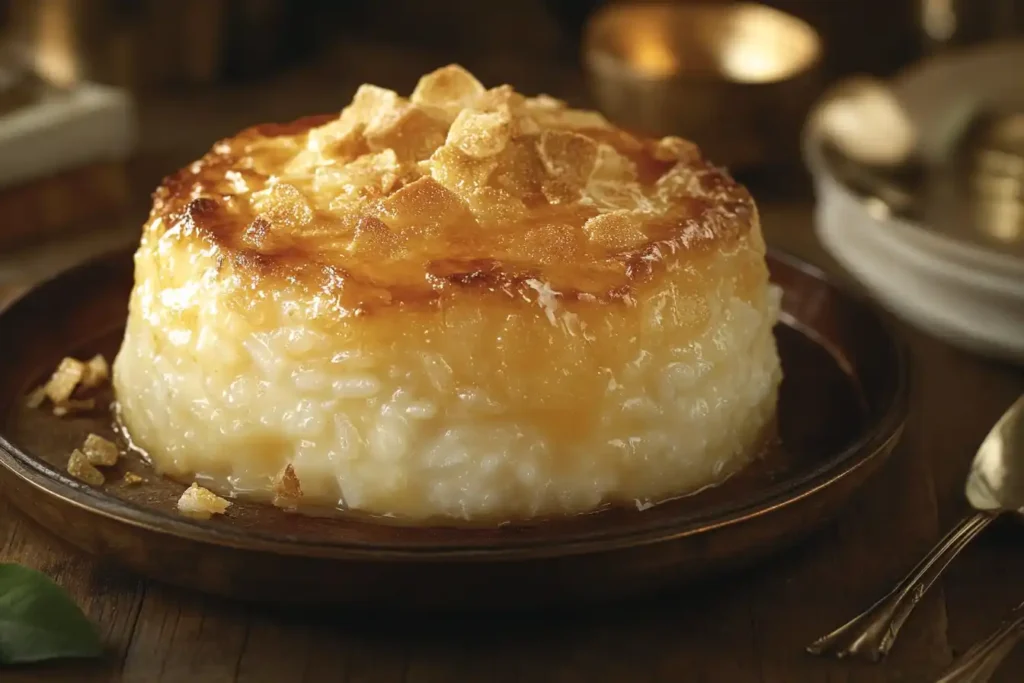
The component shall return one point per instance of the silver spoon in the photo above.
(994, 486)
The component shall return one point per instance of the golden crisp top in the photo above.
(457, 185)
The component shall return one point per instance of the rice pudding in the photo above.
(464, 304)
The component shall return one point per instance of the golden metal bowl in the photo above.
(737, 78)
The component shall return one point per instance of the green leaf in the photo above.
(39, 621)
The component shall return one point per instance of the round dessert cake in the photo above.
(463, 304)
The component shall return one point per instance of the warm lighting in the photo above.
(938, 19)
(651, 55)
(999, 208)
(749, 63)
(1002, 221)
(761, 45)
(708, 71)
(55, 59)
(998, 181)
(743, 42)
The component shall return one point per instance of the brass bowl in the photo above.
(737, 78)
(842, 407)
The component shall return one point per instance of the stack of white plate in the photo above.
(959, 272)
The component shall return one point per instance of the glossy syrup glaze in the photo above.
(399, 201)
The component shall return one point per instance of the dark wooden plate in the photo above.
(843, 403)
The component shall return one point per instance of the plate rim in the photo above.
(877, 439)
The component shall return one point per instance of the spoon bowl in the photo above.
(996, 480)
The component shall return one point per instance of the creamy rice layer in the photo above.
(491, 411)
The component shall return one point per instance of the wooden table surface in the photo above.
(748, 628)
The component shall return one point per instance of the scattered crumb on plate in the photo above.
(64, 380)
(74, 406)
(201, 503)
(70, 376)
(287, 490)
(100, 451)
(132, 479)
(97, 371)
(80, 468)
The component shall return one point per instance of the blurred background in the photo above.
(101, 98)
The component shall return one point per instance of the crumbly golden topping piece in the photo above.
(65, 380)
(80, 468)
(71, 377)
(100, 451)
(96, 372)
(132, 479)
(397, 198)
(201, 503)
(287, 490)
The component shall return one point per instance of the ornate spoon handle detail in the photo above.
(871, 634)
(978, 664)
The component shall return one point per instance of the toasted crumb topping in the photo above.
(401, 200)
(201, 503)
(100, 451)
(80, 468)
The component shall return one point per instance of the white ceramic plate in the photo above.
(941, 278)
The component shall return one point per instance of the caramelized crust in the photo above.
(400, 201)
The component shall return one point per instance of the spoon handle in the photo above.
(978, 664)
(871, 635)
